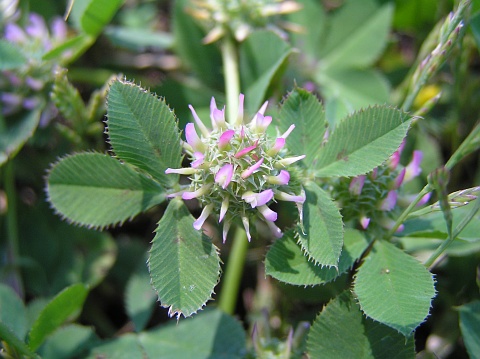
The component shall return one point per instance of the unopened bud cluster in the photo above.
(27, 87)
(373, 200)
(237, 171)
(240, 17)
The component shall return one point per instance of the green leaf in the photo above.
(93, 15)
(96, 190)
(303, 109)
(66, 304)
(204, 60)
(8, 336)
(348, 90)
(125, 347)
(341, 331)
(322, 237)
(76, 46)
(71, 341)
(184, 264)
(138, 39)
(286, 262)
(470, 327)
(313, 18)
(12, 311)
(433, 224)
(11, 57)
(394, 288)
(143, 131)
(212, 334)
(362, 142)
(140, 297)
(358, 34)
(261, 57)
(14, 136)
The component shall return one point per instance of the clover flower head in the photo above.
(241, 17)
(373, 198)
(237, 171)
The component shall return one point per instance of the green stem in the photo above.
(12, 229)
(233, 273)
(236, 258)
(465, 220)
(407, 211)
(231, 75)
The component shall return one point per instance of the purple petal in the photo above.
(246, 225)
(389, 202)
(195, 194)
(203, 217)
(223, 208)
(356, 185)
(225, 138)
(413, 168)
(279, 143)
(199, 159)
(424, 199)
(394, 160)
(275, 230)
(251, 169)
(192, 138)
(288, 132)
(226, 227)
(267, 213)
(288, 161)
(59, 29)
(15, 34)
(224, 175)
(282, 196)
(37, 27)
(258, 199)
(364, 222)
(216, 116)
(399, 180)
(181, 171)
(281, 179)
(244, 151)
(203, 129)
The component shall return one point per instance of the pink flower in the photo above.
(413, 168)
(224, 175)
(193, 139)
(281, 179)
(199, 192)
(216, 116)
(356, 185)
(389, 202)
(282, 196)
(267, 213)
(279, 143)
(258, 199)
(244, 151)
(199, 159)
(249, 171)
(225, 138)
(203, 216)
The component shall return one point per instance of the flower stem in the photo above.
(231, 75)
(465, 220)
(233, 273)
(407, 211)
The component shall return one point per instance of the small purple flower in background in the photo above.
(237, 171)
(31, 82)
(375, 198)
